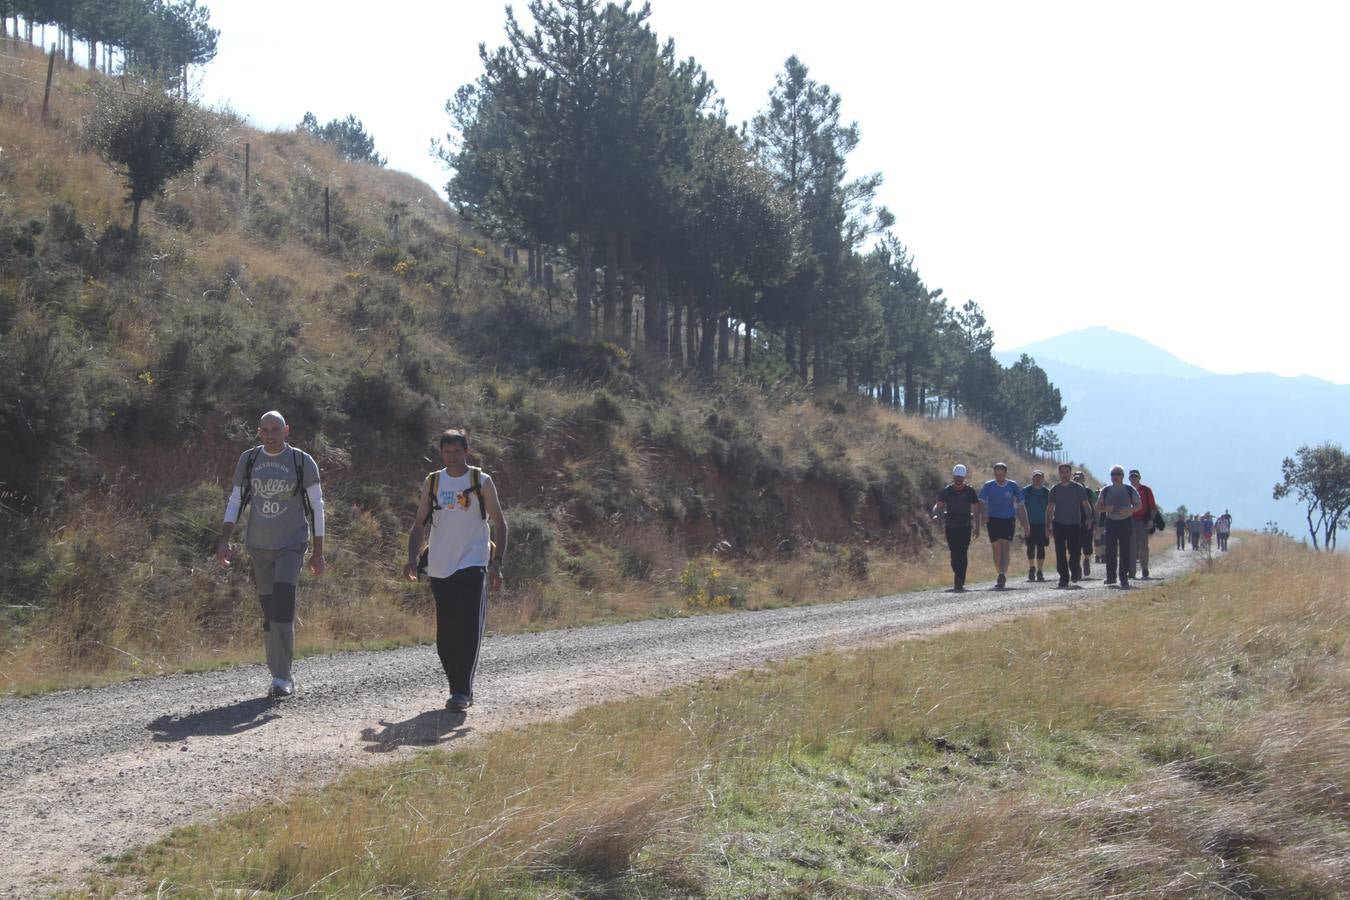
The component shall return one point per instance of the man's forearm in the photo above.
(499, 538)
(318, 546)
(226, 530)
(414, 543)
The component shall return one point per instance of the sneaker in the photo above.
(1040, 576)
(1031, 574)
(459, 702)
(1002, 580)
(1074, 579)
(1087, 567)
(1124, 585)
(1144, 574)
(1062, 583)
(1109, 581)
(281, 687)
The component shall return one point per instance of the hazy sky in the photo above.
(1180, 171)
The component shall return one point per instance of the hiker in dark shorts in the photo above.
(1068, 507)
(1036, 496)
(1118, 502)
(279, 484)
(1089, 523)
(459, 503)
(1001, 504)
(1180, 526)
(959, 506)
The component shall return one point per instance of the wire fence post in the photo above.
(325, 213)
(246, 170)
(47, 91)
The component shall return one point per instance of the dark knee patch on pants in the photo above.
(266, 603)
(283, 603)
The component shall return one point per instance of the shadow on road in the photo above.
(435, 726)
(244, 715)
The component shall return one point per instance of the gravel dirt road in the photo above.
(93, 772)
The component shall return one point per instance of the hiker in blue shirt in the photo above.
(1002, 505)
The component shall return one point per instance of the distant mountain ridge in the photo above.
(1107, 350)
(1209, 441)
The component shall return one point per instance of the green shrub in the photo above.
(44, 399)
(530, 555)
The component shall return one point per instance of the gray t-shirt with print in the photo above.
(276, 512)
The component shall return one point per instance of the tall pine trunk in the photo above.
(789, 347)
(611, 282)
(690, 330)
(654, 307)
(749, 333)
(627, 288)
(581, 323)
(707, 358)
(723, 340)
(676, 344)
(803, 348)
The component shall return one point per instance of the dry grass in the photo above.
(1186, 741)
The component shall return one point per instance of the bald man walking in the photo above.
(279, 484)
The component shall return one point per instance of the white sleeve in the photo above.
(315, 492)
(232, 506)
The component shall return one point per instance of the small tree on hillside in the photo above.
(347, 135)
(1320, 478)
(148, 137)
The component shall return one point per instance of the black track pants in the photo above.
(958, 543)
(461, 614)
(1068, 552)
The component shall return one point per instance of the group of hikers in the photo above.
(461, 554)
(1204, 531)
(1073, 514)
(458, 538)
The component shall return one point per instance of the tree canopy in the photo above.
(148, 136)
(1320, 478)
(347, 135)
(587, 135)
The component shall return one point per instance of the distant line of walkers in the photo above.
(1203, 529)
(1070, 512)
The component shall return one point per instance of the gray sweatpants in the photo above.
(276, 573)
(1139, 544)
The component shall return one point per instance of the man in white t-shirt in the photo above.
(459, 503)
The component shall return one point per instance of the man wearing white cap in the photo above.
(960, 507)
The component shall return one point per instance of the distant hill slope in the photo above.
(1208, 441)
(1105, 349)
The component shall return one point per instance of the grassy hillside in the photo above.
(133, 379)
(1184, 741)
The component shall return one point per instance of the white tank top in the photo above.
(459, 533)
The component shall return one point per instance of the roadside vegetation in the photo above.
(1189, 740)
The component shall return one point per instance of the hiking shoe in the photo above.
(281, 688)
(1040, 576)
(1062, 584)
(1002, 580)
(1087, 567)
(1144, 574)
(1074, 579)
(1031, 574)
(459, 702)
(1124, 585)
(1109, 581)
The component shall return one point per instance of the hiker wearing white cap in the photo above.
(960, 507)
